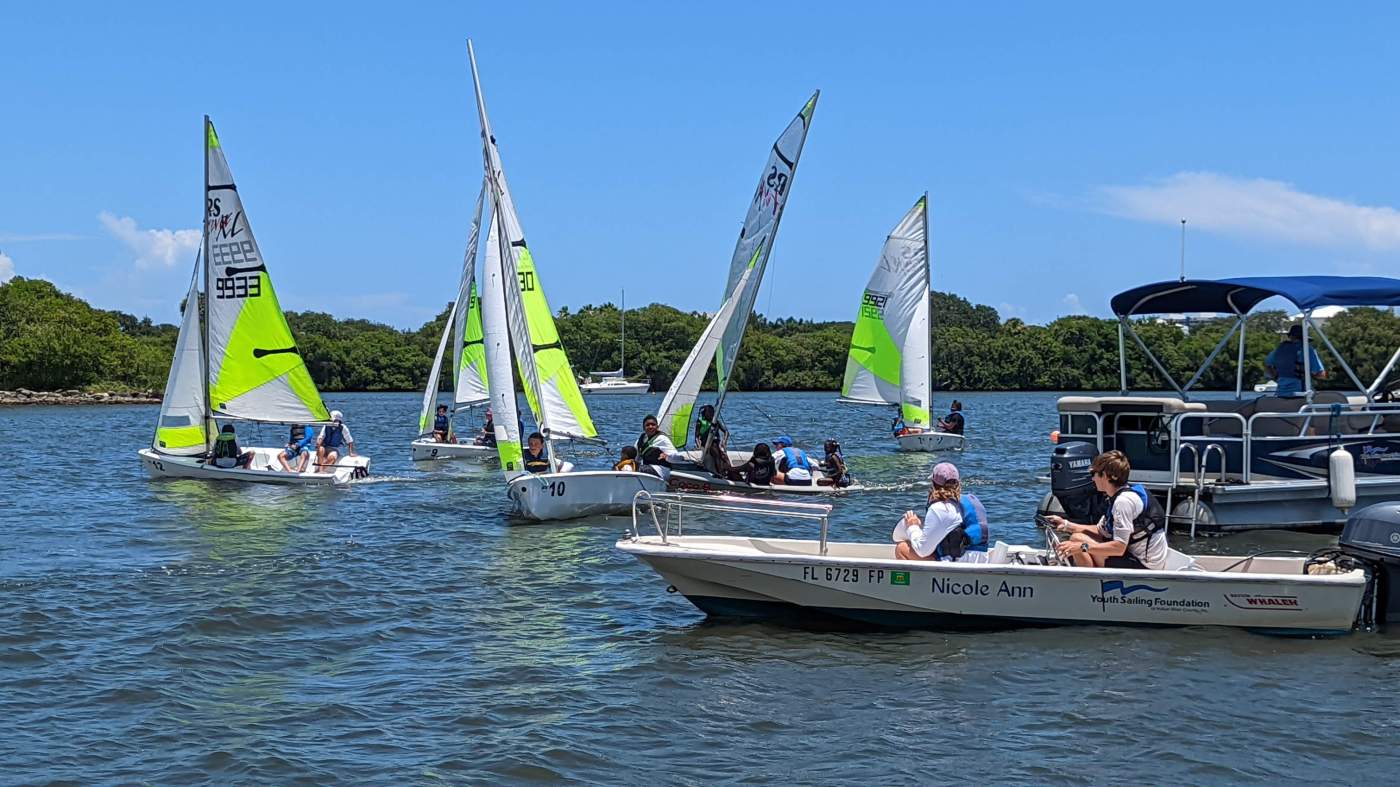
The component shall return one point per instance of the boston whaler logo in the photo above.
(1270, 603)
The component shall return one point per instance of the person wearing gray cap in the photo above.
(1285, 363)
(953, 528)
(329, 442)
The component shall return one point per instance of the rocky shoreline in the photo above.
(73, 396)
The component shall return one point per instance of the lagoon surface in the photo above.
(401, 630)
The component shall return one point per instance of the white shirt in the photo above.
(1153, 552)
(660, 441)
(344, 435)
(939, 521)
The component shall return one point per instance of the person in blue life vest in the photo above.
(953, 422)
(1285, 364)
(227, 454)
(1133, 530)
(332, 439)
(294, 457)
(794, 468)
(442, 425)
(953, 528)
(534, 457)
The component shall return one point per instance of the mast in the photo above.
(928, 293)
(204, 318)
(622, 364)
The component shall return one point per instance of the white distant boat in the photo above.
(464, 330)
(1268, 386)
(238, 361)
(813, 580)
(616, 382)
(889, 362)
(516, 315)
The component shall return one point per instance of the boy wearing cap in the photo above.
(1285, 363)
(329, 441)
(794, 468)
(953, 528)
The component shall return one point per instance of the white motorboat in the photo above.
(614, 385)
(264, 469)
(580, 493)
(890, 358)
(463, 329)
(814, 580)
(929, 440)
(236, 359)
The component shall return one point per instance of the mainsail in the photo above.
(888, 361)
(184, 428)
(676, 410)
(553, 392)
(496, 349)
(746, 267)
(255, 371)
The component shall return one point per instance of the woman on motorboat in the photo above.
(1133, 530)
(954, 528)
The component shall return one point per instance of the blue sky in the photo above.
(1060, 145)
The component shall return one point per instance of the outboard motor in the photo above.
(1072, 482)
(1372, 537)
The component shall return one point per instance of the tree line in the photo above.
(50, 340)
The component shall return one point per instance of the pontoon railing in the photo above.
(647, 503)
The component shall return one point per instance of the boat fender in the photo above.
(1341, 469)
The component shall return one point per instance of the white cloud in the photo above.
(1009, 311)
(1072, 303)
(7, 267)
(163, 248)
(1258, 208)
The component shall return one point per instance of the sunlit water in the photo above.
(400, 630)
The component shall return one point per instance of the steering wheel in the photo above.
(1052, 541)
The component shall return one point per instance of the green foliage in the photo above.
(50, 340)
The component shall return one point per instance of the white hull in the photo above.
(553, 496)
(753, 577)
(265, 469)
(430, 450)
(685, 481)
(616, 388)
(930, 441)
(692, 456)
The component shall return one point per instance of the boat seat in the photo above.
(998, 554)
(1179, 561)
(1227, 427)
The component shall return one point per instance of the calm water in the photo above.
(399, 630)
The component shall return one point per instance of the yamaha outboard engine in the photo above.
(1072, 482)
(1372, 536)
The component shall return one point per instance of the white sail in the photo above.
(255, 371)
(888, 362)
(679, 402)
(496, 343)
(553, 392)
(184, 428)
(745, 268)
(430, 392)
(469, 386)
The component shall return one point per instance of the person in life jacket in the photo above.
(333, 437)
(294, 457)
(833, 466)
(653, 446)
(794, 468)
(488, 431)
(953, 422)
(954, 527)
(628, 462)
(712, 438)
(1133, 530)
(226, 452)
(533, 456)
(442, 425)
(1285, 364)
(759, 469)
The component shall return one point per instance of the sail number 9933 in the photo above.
(242, 286)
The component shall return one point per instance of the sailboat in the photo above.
(235, 358)
(889, 362)
(549, 383)
(616, 382)
(724, 333)
(464, 331)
